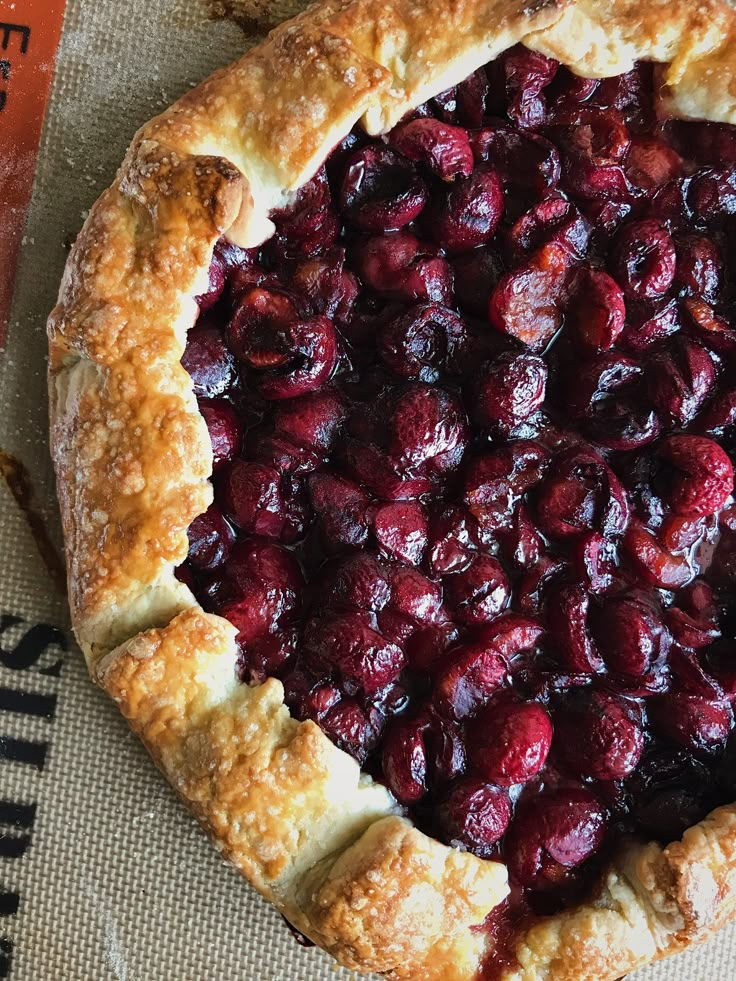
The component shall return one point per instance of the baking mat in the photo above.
(103, 875)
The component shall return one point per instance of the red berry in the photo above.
(552, 833)
(509, 743)
(475, 815)
(525, 302)
(608, 729)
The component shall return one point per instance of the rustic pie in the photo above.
(393, 409)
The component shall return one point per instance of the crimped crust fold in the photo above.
(133, 459)
(131, 451)
(325, 844)
(652, 902)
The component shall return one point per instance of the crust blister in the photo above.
(133, 458)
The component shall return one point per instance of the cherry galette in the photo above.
(394, 430)
(471, 412)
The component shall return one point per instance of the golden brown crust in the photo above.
(427, 47)
(275, 115)
(132, 456)
(696, 40)
(131, 451)
(652, 902)
(597, 38)
(292, 811)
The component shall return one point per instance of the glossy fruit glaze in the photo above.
(472, 409)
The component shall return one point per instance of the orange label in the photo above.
(29, 36)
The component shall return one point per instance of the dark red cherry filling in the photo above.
(473, 414)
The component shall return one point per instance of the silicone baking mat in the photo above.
(103, 875)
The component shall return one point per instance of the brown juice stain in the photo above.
(18, 479)
(254, 16)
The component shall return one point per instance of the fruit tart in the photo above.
(393, 410)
